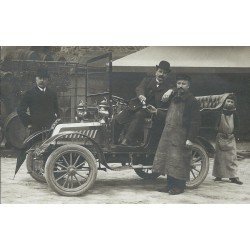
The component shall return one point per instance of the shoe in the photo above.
(124, 142)
(217, 179)
(175, 191)
(236, 181)
(164, 189)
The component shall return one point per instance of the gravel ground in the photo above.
(122, 187)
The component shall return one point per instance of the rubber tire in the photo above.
(50, 165)
(146, 176)
(29, 162)
(1, 135)
(204, 170)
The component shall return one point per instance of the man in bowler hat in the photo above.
(152, 90)
(41, 102)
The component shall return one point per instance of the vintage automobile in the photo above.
(68, 156)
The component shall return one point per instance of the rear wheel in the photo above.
(199, 166)
(146, 173)
(14, 131)
(71, 170)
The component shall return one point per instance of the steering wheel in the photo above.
(119, 99)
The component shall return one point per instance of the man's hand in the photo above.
(151, 109)
(166, 96)
(142, 98)
(29, 129)
(189, 143)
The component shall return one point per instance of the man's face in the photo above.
(42, 82)
(182, 85)
(229, 104)
(161, 75)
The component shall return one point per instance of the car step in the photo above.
(128, 167)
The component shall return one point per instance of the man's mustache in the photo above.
(230, 107)
(178, 90)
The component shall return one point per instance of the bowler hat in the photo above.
(164, 65)
(42, 73)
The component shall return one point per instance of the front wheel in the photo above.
(71, 170)
(199, 166)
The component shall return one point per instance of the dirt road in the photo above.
(122, 187)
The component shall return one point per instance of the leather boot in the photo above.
(236, 180)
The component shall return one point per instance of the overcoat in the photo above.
(43, 108)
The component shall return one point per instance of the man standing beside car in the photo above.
(173, 155)
(150, 91)
(41, 102)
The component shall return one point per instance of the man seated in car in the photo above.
(152, 90)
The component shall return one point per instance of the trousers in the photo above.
(135, 127)
(173, 182)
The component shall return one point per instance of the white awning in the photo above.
(197, 59)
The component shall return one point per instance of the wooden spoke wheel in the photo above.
(199, 166)
(71, 170)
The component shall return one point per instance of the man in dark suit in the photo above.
(152, 90)
(182, 121)
(41, 102)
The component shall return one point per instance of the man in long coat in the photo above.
(225, 160)
(173, 155)
(150, 91)
(41, 102)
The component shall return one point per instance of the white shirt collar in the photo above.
(43, 90)
(157, 82)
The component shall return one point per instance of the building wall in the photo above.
(202, 84)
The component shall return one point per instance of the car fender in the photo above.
(52, 141)
(35, 137)
(206, 145)
(28, 143)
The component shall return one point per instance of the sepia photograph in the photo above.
(125, 124)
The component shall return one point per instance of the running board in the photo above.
(128, 167)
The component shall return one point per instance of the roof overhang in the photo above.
(188, 59)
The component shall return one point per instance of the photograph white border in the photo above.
(124, 23)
